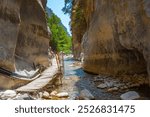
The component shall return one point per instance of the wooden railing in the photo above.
(60, 64)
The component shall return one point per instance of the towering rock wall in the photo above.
(23, 34)
(116, 38)
(78, 26)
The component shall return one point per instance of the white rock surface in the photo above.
(86, 94)
(8, 94)
(62, 94)
(131, 95)
(53, 93)
(45, 94)
(102, 86)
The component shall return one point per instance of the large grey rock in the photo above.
(131, 95)
(86, 94)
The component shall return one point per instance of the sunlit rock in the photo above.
(113, 35)
(53, 93)
(23, 34)
(45, 94)
(62, 94)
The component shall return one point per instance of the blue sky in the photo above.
(56, 6)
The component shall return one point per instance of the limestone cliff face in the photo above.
(78, 26)
(116, 38)
(23, 34)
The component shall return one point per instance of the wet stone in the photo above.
(74, 96)
(86, 94)
(109, 84)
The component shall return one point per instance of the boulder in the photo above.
(131, 95)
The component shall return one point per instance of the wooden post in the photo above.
(60, 64)
(57, 60)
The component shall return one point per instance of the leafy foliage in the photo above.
(60, 40)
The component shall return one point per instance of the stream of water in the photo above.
(75, 80)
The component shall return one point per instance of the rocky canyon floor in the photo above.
(81, 85)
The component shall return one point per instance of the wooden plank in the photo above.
(42, 81)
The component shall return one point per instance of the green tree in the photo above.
(60, 40)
